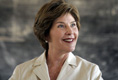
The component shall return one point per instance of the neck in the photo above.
(56, 57)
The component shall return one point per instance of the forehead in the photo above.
(66, 18)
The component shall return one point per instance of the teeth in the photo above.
(68, 40)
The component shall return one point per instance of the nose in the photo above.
(69, 30)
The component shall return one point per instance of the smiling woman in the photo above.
(63, 34)
(57, 28)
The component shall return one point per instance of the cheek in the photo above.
(55, 35)
(58, 35)
(76, 32)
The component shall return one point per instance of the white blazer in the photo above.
(74, 68)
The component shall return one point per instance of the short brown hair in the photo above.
(48, 14)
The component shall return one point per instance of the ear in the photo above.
(47, 38)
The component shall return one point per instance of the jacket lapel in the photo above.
(42, 72)
(40, 68)
(68, 67)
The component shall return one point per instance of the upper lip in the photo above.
(68, 38)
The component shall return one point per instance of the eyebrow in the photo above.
(63, 22)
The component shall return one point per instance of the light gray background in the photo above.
(98, 40)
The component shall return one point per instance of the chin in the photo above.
(71, 50)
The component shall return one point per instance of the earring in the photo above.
(46, 41)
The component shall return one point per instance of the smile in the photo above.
(68, 40)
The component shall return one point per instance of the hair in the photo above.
(47, 14)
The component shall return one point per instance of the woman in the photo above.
(57, 26)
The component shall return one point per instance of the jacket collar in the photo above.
(41, 68)
(40, 60)
(71, 60)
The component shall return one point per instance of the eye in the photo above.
(73, 24)
(60, 26)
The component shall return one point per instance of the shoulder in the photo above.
(30, 64)
(27, 64)
(89, 68)
(79, 62)
(22, 69)
(85, 65)
(33, 62)
(84, 62)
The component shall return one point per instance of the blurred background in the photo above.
(98, 40)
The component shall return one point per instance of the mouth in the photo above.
(68, 40)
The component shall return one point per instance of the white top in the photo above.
(74, 68)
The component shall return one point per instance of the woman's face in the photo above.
(63, 34)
